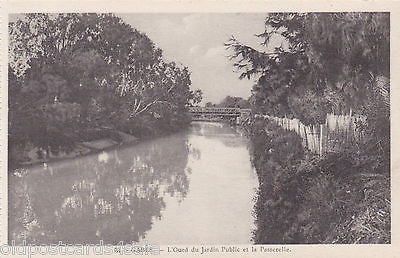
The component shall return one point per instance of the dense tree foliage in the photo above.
(69, 73)
(210, 104)
(234, 102)
(230, 102)
(326, 62)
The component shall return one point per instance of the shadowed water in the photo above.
(191, 187)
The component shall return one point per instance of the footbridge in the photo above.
(219, 114)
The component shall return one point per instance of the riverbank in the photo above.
(89, 142)
(341, 197)
(31, 155)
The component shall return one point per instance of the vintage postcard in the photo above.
(199, 128)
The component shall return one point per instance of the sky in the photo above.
(197, 41)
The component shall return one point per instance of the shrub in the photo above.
(341, 197)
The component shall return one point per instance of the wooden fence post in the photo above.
(320, 141)
(305, 136)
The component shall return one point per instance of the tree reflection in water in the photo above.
(113, 196)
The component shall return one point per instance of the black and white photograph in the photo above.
(236, 128)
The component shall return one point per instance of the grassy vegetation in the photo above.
(340, 197)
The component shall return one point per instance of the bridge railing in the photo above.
(217, 110)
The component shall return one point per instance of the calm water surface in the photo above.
(192, 187)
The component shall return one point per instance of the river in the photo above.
(192, 187)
